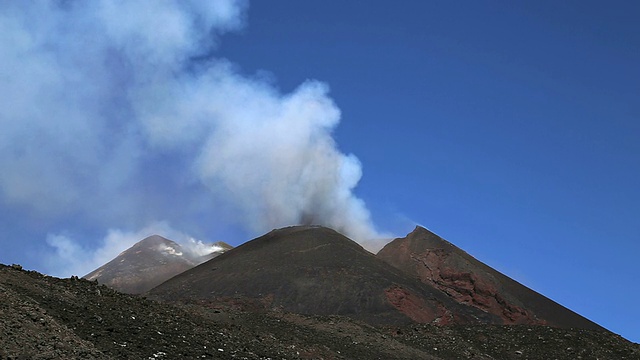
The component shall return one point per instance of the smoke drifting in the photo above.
(114, 114)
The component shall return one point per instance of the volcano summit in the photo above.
(302, 292)
(149, 263)
(438, 263)
(314, 270)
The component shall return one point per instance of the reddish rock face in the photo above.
(442, 270)
(436, 262)
(416, 308)
(317, 271)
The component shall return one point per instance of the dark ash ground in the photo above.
(42, 317)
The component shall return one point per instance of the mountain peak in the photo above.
(315, 270)
(424, 238)
(154, 239)
(149, 262)
(159, 243)
(466, 280)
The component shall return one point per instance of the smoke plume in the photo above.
(119, 114)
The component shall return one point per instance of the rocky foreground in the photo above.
(43, 317)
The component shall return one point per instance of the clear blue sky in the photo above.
(509, 128)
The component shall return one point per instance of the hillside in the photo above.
(149, 263)
(43, 317)
(438, 263)
(313, 270)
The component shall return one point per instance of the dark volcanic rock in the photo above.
(439, 263)
(149, 263)
(43, 317)
(317, 271)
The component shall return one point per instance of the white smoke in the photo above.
(197, 248)
(169, 250)
(116, 114)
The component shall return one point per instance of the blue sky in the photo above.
(510, 129)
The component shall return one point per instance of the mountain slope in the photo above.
(43, 317)
(438, 263)
(315, 270)
(149, 263)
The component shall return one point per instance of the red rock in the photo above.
(313, 270)
(439, 263)
(410, 304)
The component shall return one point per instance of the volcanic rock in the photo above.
(440, 264)
(149, 263)
(317, 271)
(43, 317)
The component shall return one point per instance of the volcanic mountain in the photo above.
(438, 263)
(42, 317)
(315, 270)
(149, 263)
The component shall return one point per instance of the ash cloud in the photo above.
(108, 119)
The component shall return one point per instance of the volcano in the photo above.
(421, 278)
(288, 289)
(438, 263)
(149, 263)
(43, 317)
(318, 271)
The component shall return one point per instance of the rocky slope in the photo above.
(149, 263)
(42, 317)
(440, 264)
(317, 271)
